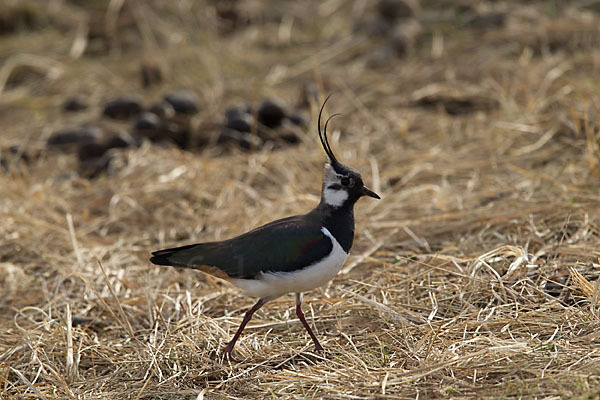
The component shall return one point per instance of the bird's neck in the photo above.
(339, 221)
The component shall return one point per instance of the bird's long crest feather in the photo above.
(323, 134)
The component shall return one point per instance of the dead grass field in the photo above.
(476, 275)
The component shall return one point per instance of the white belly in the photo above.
(275, 284)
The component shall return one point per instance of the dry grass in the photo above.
(475, 276)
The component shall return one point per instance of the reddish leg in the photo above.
(229, 347)
(300, 315)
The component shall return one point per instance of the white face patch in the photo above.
(335, 197)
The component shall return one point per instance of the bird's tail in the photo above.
(175, 257)
(191, 256)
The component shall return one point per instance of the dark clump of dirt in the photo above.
(123, 107)
(21, 16)
(93, 145)
(171, 120)
(270, 123)
(75, 103)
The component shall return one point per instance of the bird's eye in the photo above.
(345, 181)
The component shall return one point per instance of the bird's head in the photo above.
(342, 184)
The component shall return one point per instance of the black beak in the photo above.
(368, 192)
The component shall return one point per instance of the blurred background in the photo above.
(127, 126)
(91, 76)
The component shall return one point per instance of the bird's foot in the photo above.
(228, 349)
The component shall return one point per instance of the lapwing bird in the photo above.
(293, 254)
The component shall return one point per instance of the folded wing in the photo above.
(285, 245)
